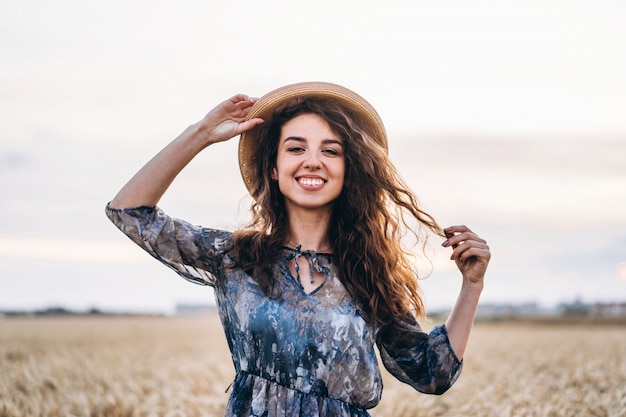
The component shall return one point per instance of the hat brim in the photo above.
(265, 107)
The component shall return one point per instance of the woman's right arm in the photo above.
(148, 185)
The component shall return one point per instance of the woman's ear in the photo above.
(274, 174)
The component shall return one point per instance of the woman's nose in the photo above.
(312, 160)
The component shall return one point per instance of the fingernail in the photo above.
(445, 243)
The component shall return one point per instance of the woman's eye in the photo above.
(331, 151)
(295, 149)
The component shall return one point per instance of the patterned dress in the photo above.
(295, 353)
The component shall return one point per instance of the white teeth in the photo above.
(311, 181)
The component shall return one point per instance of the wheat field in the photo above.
(180, 367)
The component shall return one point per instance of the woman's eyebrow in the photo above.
(332, 141)
(295, 138)
(300, 139)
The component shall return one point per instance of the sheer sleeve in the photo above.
(423, 360)
(195, 253)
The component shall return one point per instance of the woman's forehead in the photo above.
(308, 125)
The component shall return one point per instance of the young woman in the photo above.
(320, 276)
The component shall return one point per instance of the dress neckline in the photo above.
(298, 249)
(313, 260)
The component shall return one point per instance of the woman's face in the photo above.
(310, 163)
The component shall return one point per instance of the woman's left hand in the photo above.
(470, 252)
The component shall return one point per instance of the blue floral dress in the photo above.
(295, 353)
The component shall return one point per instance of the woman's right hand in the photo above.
(228, 119)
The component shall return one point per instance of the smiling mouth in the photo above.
(311, 182)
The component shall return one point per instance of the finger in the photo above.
(248, 124)
(468, 249)
(237, 105)
(458, 234)
(457, 229)
(449, 234)
(238, 98)
(246, 102)
(452, 233)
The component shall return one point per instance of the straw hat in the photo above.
(265, 107)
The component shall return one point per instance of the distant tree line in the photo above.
(62, 311)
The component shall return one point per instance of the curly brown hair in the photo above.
(368, 224)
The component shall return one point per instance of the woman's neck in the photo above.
(309, 230)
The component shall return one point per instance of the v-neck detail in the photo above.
(317, 261)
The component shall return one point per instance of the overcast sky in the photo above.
(507, 116)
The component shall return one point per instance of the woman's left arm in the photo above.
(471, 254)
